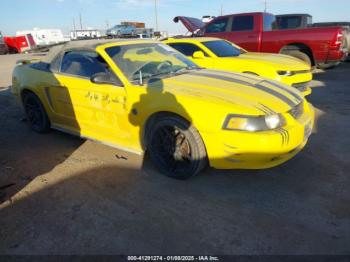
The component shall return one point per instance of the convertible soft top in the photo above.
(85, 44)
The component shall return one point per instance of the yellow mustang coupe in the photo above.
(215, 53)
(144, 96)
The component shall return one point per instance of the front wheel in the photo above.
(176, 148)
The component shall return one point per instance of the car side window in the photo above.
(243, 23)
(217, 26)
(186, 48)
(270, 22)
(83, 64)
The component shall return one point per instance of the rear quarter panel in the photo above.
(319, 40)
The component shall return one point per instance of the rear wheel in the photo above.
(300, 55)
(176, 148)
(36, 114)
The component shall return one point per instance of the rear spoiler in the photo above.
(26, 61)
(193, 25)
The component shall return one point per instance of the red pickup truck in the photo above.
(258, 32)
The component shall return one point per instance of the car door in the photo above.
(219, 27)
(244, 32)
(94, 110)
(188, 49)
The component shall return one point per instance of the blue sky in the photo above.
(26, 14)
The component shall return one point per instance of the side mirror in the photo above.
(105, 78)
(198, 55)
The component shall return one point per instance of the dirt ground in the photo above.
(64, 195)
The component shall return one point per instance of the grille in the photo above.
(301, 86)
(297, 111)
(302, 72)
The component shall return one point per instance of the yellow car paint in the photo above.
(118, 115)
(261, 64)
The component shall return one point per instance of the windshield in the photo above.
(223, 48)
(144, 61)
(1, 39)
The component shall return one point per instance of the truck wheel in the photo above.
(176, 148)
(299, 54)
(36, 114)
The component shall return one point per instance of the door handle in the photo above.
(251, 36)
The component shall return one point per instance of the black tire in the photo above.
(176, 148)
(36, 114)
(300, 55)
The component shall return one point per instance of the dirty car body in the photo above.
(141, 95)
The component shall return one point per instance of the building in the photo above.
(85, 34)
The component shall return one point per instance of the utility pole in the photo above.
(107, 24)
(74, 25)
(156, 14)
(81, 22)
(265, 4)
(222, 8)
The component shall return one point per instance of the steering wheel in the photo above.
(142, 67)
(166, 63)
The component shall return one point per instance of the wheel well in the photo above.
(151, 119)
(24, 92)
(299, 47)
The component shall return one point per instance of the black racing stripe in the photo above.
(272, 83)
(280, 131)
(277, 94)
(287, 90)
(263, 110)
(272, 112)
(269, 110)
(257, 86)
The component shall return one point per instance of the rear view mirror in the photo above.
(198, 55)
(106, 78)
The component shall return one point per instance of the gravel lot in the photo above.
(63, 195)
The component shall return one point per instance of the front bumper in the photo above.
(304, 88)
(248, 150)
(299, 81)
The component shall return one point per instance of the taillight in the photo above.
(339, 42)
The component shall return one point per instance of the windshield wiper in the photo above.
(184, 69)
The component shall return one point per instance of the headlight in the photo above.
(253, 123)
(285, 73)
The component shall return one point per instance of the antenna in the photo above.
(156, 13)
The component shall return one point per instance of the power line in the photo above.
(156, 13)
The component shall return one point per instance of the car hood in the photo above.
(280, 62)
(192, 24)
(242, 94)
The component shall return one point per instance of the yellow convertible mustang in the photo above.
(144, 96)
(215, 53)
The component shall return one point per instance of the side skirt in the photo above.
(74, 133)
